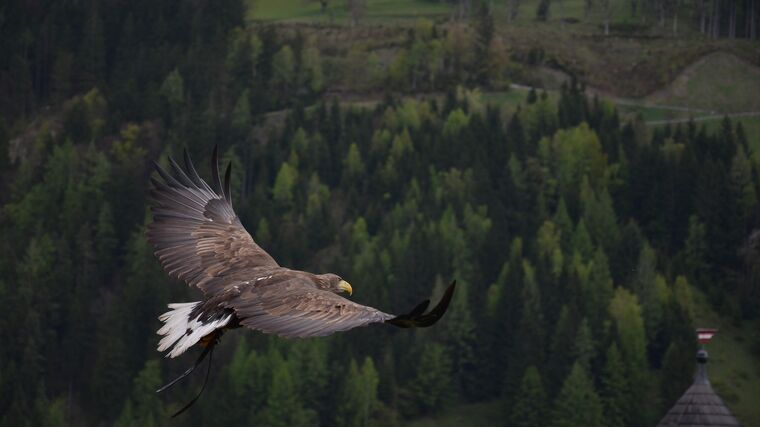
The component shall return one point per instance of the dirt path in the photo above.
(702, 118)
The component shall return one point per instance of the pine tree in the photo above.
(581, 242)
(431, 387)
(741, 180)
(105, 241)
(92, 51)
(577, 404)
(626, 314)
(597, 292)
(694, 253)
(458, 336)
(482, 48)
(529, 345)
(144, 407)
(283, 407)
(615, 392)
(358, 395)
(310, 357)
(646, 289)
(542, 10)
(561, 356)
(584, 348)
(530, 405)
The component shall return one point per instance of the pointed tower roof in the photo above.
(699, 406)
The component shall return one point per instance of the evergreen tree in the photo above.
(144, 407)
(616, 397)
(458, 336)
(482, 48)
(431, 387)
(530, 404)
(584, 348)
(542, 10)
(530, 340)
(646, 289)
(358, 395)
(694, 253)
(577, 404)
(105, 241)
(626, 314)
(597, 292)
(283, 406)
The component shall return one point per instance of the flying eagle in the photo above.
(199, 239)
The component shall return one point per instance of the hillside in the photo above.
(718, 82)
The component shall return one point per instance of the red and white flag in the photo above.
(705, 334)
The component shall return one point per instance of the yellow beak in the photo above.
(345, 286)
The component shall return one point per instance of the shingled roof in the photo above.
(699, 406)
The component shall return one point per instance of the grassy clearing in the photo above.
(336, 12)
(734, 369)
(475, 414)
(720, 82)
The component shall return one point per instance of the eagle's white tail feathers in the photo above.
(182, 332)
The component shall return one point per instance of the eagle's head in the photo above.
(333, 283)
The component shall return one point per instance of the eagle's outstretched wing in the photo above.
(197, 235)
(295, 309)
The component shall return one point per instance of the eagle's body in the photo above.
(199, 239)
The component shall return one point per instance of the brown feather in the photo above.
(196, 233)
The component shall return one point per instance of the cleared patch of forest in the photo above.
(719, 81)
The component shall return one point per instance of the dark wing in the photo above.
(197, 235)
(295, 309)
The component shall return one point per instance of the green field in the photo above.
(338, 13)
(387, 10)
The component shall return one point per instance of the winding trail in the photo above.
(702, 118)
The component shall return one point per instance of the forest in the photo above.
(580, 238)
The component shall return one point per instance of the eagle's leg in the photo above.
(208, 342)
(210, 350)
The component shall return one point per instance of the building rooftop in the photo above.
(699, 406)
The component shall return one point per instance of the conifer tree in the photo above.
(283, 406)
(615, 392)
(358, 395)
(627, 316)
(530, 404)
(645, 285)
(530, 339)
(577, 404)
(105, 241)
(598, 290)
(459, 337)
(431, 387)
(584, 348)
(144, 407)
(561, 356)
(581, 242)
